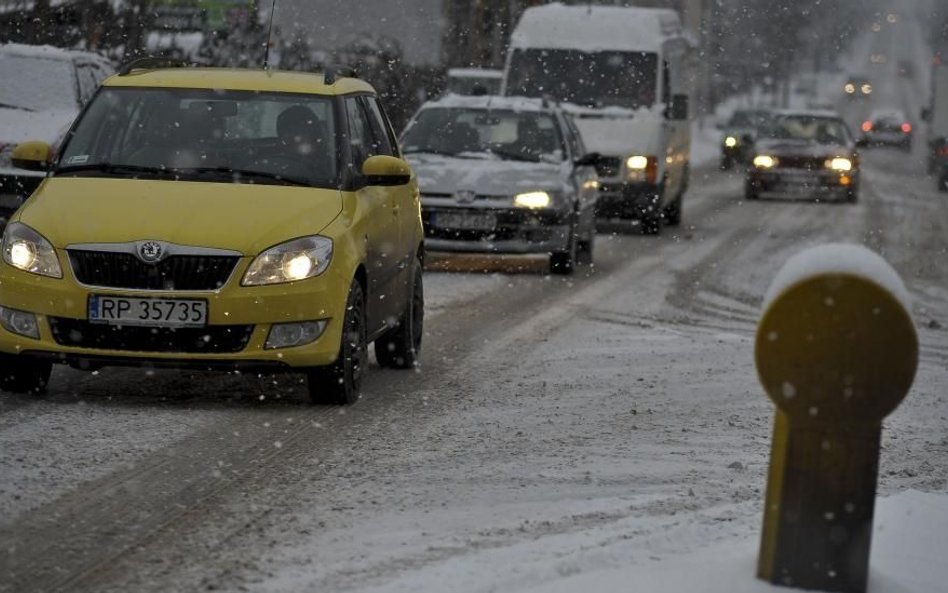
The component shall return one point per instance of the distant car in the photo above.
(857, 87)
(739, 133)
(42, 91)
(805, 153)
(888, 127)
(503, 175)
(474, 81)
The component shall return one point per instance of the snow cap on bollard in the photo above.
(836, 350)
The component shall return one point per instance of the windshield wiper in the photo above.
(515, 156)
(115, 169)
(248, 174)
(20, 107)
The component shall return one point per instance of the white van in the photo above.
(623, 75)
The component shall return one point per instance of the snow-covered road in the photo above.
(557, 427)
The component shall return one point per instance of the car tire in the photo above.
(727, 163)
(399, 347)
(652, 222)
(585, 249)
(750, 194)
(23, 376)
(563, 263)
(852, 196)
(943, 183)
(672, 213)
(341, 382)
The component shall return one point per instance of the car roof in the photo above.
(827, 113)
(239, 79)
(49, 52)
(491, 102)
(887, 114)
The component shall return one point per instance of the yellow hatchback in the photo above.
(217, 219)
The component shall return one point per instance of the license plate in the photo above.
(473, 221)
(149, 312)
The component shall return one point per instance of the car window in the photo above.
(573, 138)
(504, 133)
(51, 85)
(361, 140)
(382, 140)
(197, 133)
(88, 81)
(821, 130)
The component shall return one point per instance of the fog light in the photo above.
(845, 180)
(19, 322)
(287, 335)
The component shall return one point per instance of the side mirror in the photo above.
(32, 156)
(926, 114)
(678, 111)
(590, 159)
(386, 170)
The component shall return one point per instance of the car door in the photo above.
(583, 177)
(379, 205)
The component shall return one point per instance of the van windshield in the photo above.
(206, 135)
(598, 79)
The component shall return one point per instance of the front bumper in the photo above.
(238, 323)
(514, 231)
(628, 200)
(794, 182)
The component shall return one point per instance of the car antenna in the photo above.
(266, 54)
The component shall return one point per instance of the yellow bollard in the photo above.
(836, 350)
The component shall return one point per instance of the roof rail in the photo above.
(334, 72)
(150, 63)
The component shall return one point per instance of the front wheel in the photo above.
(341, 382)
(23, 376)
(673, 212)
(564, 262)
(399, 347)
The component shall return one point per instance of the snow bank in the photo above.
(910, 534)
(838, 258)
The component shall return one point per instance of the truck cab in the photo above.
(622, 74)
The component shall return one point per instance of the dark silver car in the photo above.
(503, 175)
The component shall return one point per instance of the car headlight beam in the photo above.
(292, 261)
(27, 250)
(764, 161)
(533, 199)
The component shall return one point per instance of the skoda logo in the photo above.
(464, 196)
(150, 251)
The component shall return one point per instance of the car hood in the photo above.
(447, 175)
(242, 217)
(18, 125)
(792, 148)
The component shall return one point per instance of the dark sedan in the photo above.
(805, 154)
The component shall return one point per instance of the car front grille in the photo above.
(801, 162)
(213, 339)
(608, 166)
(177, 272)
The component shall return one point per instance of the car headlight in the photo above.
(27, 250)
(533, 199)
(730, 142)
(850, 88)
(294, 260)
(764, 161)
(641, 168)
(866, 89)
(839, 164)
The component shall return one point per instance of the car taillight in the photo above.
(867, 126)
(906, 127)
(944, 150)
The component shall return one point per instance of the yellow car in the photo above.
(217, 219)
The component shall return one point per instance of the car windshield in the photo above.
(508, 134)
(37, 83)
(598, 79)
(212, 135)
(749, 119)
(819, 130)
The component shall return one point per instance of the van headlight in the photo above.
(27, 250)
(294, 260)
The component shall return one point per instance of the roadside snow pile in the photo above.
(838, 258)
(910, 534)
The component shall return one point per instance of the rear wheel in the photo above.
(652, 223)
(673, 212)
(23, 376)
(852, 196)
(398, 348)
(341, 382)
